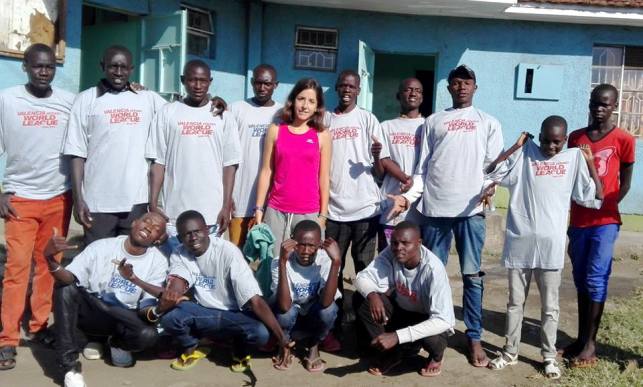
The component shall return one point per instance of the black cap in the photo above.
(462, 71)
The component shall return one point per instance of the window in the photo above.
(200, 32)
(315, 48)
(622, 66)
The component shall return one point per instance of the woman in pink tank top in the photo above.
(294, 177)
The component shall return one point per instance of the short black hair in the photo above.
(404, 81)
(407, 225)
(463, 71)
(552, 121)
(346, 73)
(605, 87)
(306, 225)
(36, 48)
(117, 49)
(265, 66)
(189, 215)
(195, 63)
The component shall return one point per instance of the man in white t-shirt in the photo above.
(35, 196)
(108, 290)
(304, 288)
(253, 117)
(227, 300)
(106, 137)
(541, 181)
(195, 154)
(402, 297)
(457, 144)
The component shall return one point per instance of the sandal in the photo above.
(309, 364)
(432, 368)
(583, 363)
(7, 358)
(503, 360)
(552, 371)
(185, 362)
(240, 365)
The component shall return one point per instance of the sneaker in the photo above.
(121, 357)
(331, 344)
(93, 351)
(74, 379)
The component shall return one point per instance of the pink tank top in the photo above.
(295, 183)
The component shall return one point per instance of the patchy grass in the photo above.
(620, 348)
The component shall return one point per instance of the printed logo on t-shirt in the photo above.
(258, 130)
(195, 128)
(39, 119)
(345, 132)
(461, 125)
(203, 281)
(602, 159)
(124, 116)
(119, 283)
(404, 291)
(401, 138)
(305, 290)
(550, 168)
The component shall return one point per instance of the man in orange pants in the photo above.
(35, 197)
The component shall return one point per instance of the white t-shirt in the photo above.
(402, 135)
(541, 190)
(354, 195)
(424, 289)
(306, 282)
(221, 277)
(456, 146)
(31, 134)
(252, 123)
(110, 132)
(194, 146)
(96, 272)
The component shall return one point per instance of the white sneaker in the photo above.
(74, 379)
(121, 357)
(93, 351)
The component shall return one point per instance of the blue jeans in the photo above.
(591, 250)
(469, 235)
(189, 321)
(316, 323)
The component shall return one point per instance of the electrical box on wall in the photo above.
(538, 81)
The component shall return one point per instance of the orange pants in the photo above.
(26, 238)
(238, 230)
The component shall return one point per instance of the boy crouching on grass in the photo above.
(541, 181)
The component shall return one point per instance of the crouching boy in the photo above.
(541, 181)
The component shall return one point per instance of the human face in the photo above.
(405, 246)
(308, 243)
(194, 235)
(462, 91)
(601, 106)
(347, 90)
(263, 85)
(197, 80)
(147, 230)
(40, 68)
(117, 68)
(305, 105)
(552, 140)
(410, 95)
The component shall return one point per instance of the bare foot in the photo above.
(477, 355)
(283, 361)
(572, 350)
(432, 368)
(587, 354)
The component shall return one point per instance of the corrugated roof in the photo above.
(593, 3)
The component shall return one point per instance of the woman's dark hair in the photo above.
(317, 119)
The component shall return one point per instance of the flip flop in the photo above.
(277, 366)
(309, 364)
(7, 358)
(583, 363)
(431, 364)
(240, 365)
(185, 362)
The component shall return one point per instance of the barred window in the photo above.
(316, 48)
(200, 31)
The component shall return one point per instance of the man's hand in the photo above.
(223, 220)
(155, 208)
(333, 251)
(376, 148)
(378, 313)
(385, 341)
(587, 152)
(321, 220)
(137, 86)
(173, 293)
(400, 204)
(406, 184)
(217, 106)
(126, 270)
(486, 197)
(522, 139)
(82, 214)
(6, 209)
(258, 216)
(55, 245)
(287, 247)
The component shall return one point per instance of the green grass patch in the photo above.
(620, 350)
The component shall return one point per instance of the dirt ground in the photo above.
(36, 364)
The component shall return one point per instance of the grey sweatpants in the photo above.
(282, 225)
(548, 282)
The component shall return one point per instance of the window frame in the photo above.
(209, 35)
(314, 47)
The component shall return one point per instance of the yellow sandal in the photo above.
(185, 362)
(240, 365)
